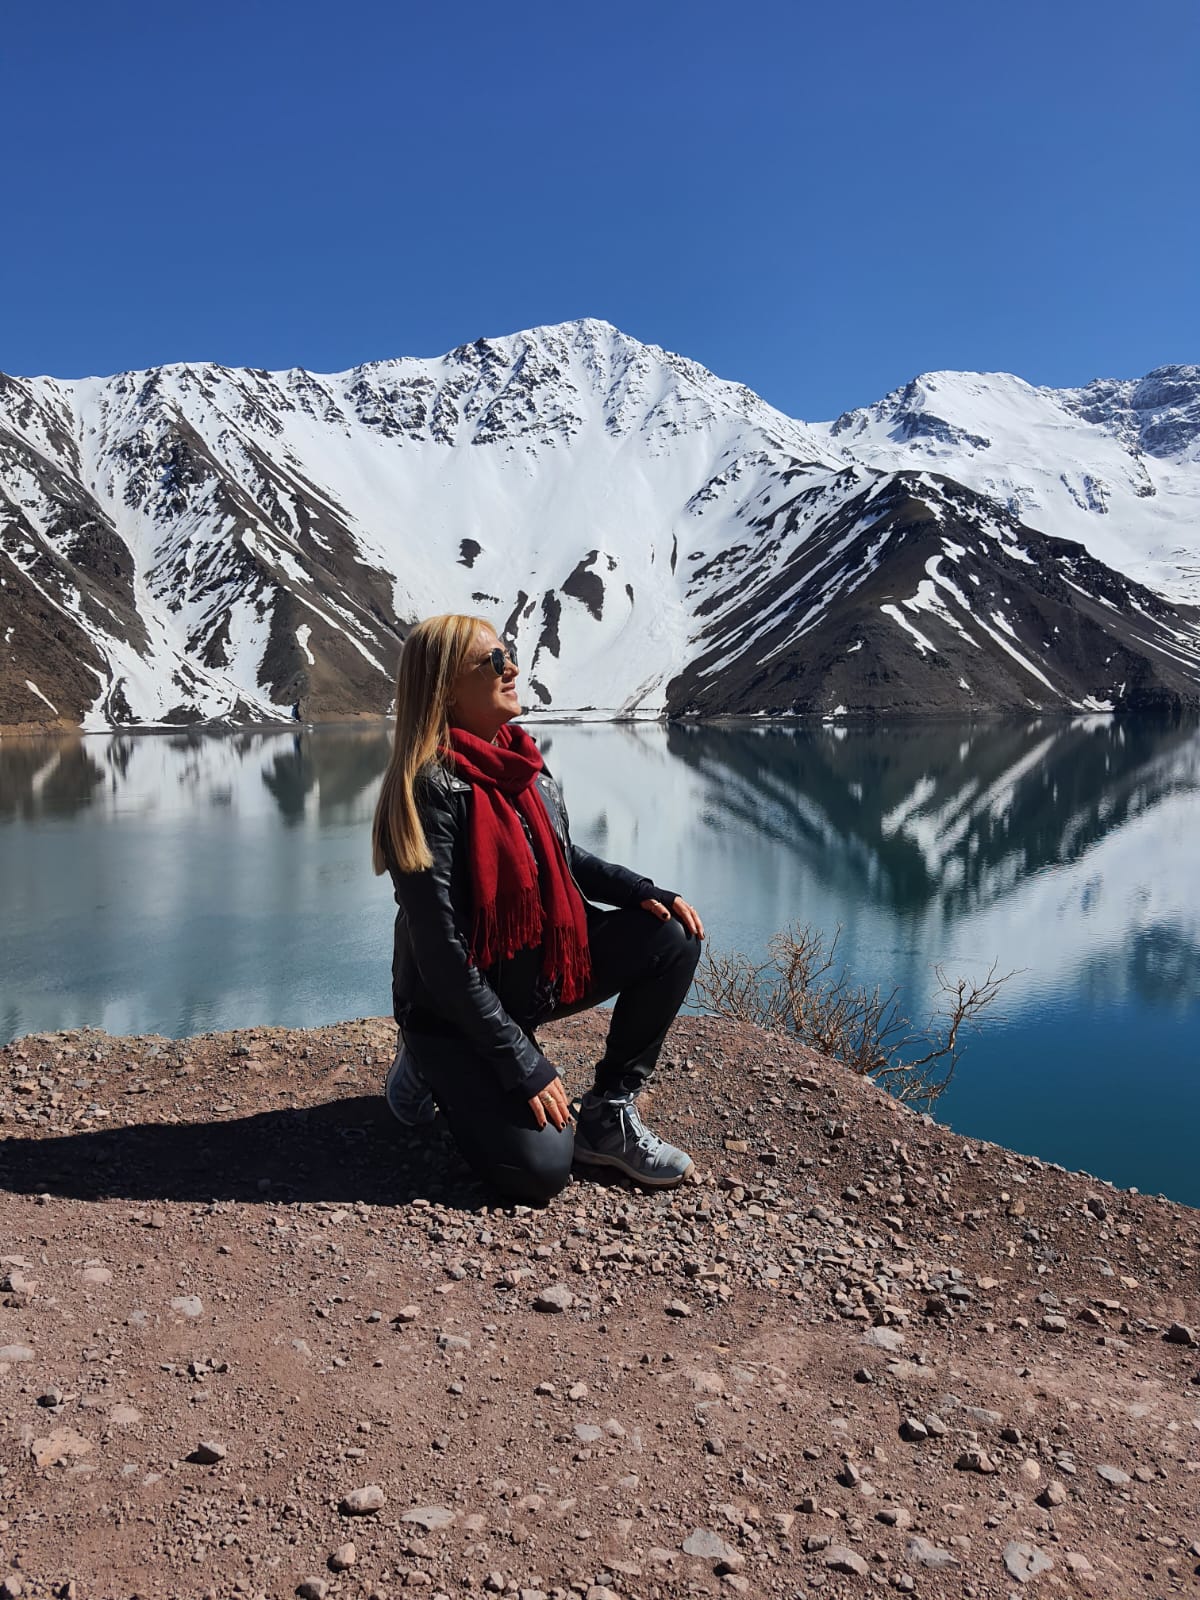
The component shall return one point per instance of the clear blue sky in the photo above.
(817, 200)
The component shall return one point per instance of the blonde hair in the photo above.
(431, 659)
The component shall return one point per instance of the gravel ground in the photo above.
(256, 1341)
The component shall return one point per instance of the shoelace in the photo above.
(642, 1136)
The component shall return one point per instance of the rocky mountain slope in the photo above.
(256, 1341)
(199, 543)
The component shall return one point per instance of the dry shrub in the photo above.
(801, 989)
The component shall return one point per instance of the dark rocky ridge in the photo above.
(259, 591)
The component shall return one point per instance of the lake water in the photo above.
(180, 883)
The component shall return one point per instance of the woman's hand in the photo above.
(551, 1102)
(687, 914)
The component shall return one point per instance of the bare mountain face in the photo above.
(201, 544)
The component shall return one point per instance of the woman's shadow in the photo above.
(344, 1150)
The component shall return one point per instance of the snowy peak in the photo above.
(1158, 415)
(1114, 465)
(199, 542)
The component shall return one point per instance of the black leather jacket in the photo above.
(435, 988)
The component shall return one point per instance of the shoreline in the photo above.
(535, 717)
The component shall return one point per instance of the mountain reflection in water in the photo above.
(195, 880)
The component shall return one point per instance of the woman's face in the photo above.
(483, 702)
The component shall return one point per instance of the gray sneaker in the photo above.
(406, 1092)
(610, 1133)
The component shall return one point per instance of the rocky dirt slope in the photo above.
(256, 1341)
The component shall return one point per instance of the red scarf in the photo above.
(519, 901)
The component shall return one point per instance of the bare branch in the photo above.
(800, 989)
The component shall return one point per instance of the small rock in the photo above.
(556, 1298)
(884, 1338)
(360, 1502)
(913, 1431)
(96, 1277)
(1053, 1323)
(975, 1461)
(50, 1397)
(343, 1558)
(208, 1452)
(12, 1587)
(930, 1555)
(708, 1546)
(1025, 1561)
(894, 1516)
(1179, 1333)
(431, 1518)
(61, 1446)
(407, 1314)
(189, 1305)
(312, 1589)
(839, 1559)
(15, 1352)
(677, 1308)
(453, 1342)
(1078, 1563)
(1054, 1494)
(1113, 1476)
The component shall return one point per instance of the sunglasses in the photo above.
(499, 658)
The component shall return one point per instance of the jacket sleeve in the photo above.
(458, 990)
(612, 885)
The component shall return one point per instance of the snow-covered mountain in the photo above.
(196, 543)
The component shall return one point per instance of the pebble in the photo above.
(407, 1314)
(431, 1518)
(1053, 1323)
(677, 1308)
(360, 1502)
(975, 1461)
(1025, 1561)
(343, 1558)
(188, 1305)
(312, 1589)
(1180, 1333)
(894, 1516)
(208, 1452)
(1113, 1476)
(1054, 1494)
(839, 1559)
(883, 1338)
(913, 1431)
(556, 1298)
(707, 1545)
(930, 1555)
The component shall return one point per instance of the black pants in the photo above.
(648, 965)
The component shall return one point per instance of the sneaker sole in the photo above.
(592, 1160)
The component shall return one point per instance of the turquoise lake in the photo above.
(177, 883)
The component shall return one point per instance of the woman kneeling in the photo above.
(494, 935)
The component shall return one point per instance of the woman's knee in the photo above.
(538, 1168)
(677, 945)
